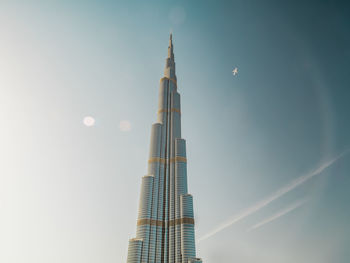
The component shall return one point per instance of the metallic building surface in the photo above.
(195, 260)
(135, 249)
(165, 225)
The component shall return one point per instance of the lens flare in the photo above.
(125, 125)
(89, 121)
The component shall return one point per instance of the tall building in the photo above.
(165, 225)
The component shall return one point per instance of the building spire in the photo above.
(169, 71)
(171, 47)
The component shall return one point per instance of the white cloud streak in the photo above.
(279, 214)
(280, 192)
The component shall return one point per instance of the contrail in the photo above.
(290, 208)
(280, 192)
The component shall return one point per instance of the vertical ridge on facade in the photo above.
(165, 225)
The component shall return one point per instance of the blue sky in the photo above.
(69, 193)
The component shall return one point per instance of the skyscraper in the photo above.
(165, 225)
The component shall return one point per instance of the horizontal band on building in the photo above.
(173, 80)
(169, 110)
(163, 160)
(153, 222)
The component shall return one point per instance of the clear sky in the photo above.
(267, 160)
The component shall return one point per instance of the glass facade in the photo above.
(165, 225)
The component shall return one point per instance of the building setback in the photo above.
(165, 225)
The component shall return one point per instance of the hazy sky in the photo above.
(266, 161)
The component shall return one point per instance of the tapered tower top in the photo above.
(169, 71)
(171, 47)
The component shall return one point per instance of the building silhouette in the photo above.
(165, 225)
